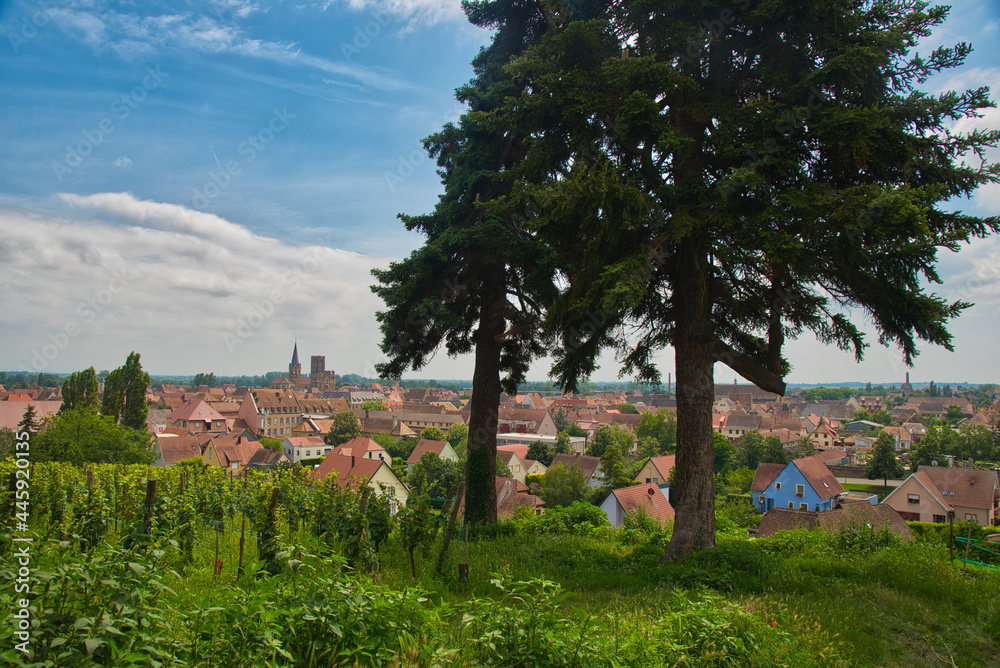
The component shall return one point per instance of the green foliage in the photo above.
(660, 426)
(932, 448)
(563, 485)
(503, 471)
(433, 434)
(457, 435)
(749, 451)
(883, 463)
(125, 394)
(627, 408)
(345, 427)
(374, 405)
(578, 517)
(561, 419)
(81, 435)
(542, 452)
(576, 430)
(610, 436)
(724, 452)
(774, 451)
(804, 447)
(435, 477)
(207, 379)
(739, 510)
(80, 390)
(270, 443)
(416, 526)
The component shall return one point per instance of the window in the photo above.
(940, 519)
(649, 480)
(308, 452)
(777, 485)
(760, 499)
(971, 517)
(805, 506)
(800, 490)
(656, 481)
(327, 451)
(791, 505)
(913, 498)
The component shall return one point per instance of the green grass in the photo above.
(796, 599)
(881, 491)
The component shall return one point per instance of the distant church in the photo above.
(319, 377)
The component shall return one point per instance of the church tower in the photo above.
(295, 369)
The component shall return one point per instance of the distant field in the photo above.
(874, 489)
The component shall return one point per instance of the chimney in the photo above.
(352, 461)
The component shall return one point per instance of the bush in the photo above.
(580, 517)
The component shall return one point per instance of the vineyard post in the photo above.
(150, 497)
(451, 525)
(243, 531)
(118, 492)
(367, 535)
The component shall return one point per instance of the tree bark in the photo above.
(694, 522)
(484, 416)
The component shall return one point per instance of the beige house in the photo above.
(928, 495)
(656, 470)
(230, 452)
(518, 471)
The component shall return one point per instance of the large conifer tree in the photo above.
(719, 176)
(479, 282)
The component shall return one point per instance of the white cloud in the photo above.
(122, 161)
(192, 290)
(132, 37)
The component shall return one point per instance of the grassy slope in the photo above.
(906, 606)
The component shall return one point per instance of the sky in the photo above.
(208, 182)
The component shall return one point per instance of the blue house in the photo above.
(802, 484)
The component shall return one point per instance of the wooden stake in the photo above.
(463, 569)
(218, 562)
(968, 539)
(150, 497)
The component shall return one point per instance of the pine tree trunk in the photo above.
(481, 458)
(694, 522)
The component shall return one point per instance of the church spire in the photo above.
(295, 369)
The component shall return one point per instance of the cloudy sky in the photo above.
(205, 182)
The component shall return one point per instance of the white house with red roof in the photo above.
(628, 501)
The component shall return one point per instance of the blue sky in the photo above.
(205, 182)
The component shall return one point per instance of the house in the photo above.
(845, 516)
(736, 426)
(516, 465)
(364, 448)
(266, 458)
(656, 470)
(593, 474)
(512, 495)
(526, 421)
(442, 449)
(930, 493)
(298, 448)
(802, 484)
(533, 466)
(353, 471)
(196, 415)
(230, 451)
(275, 412)
(629, 500)
(171, 449)
(762, 479)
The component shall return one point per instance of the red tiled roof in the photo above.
(357, 446)
(765, 475)
(819, 476)
(973, 489)
(350, 470)
(588, 465)
(664, 464)
(425, 445)
(195, 409)
(178, 448)
(648, 497)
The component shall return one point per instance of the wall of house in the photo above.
(925, 509)
(385, 477)
(614, 510)
(649, 473)
(782, 491)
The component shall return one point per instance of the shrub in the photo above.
(580, 517)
